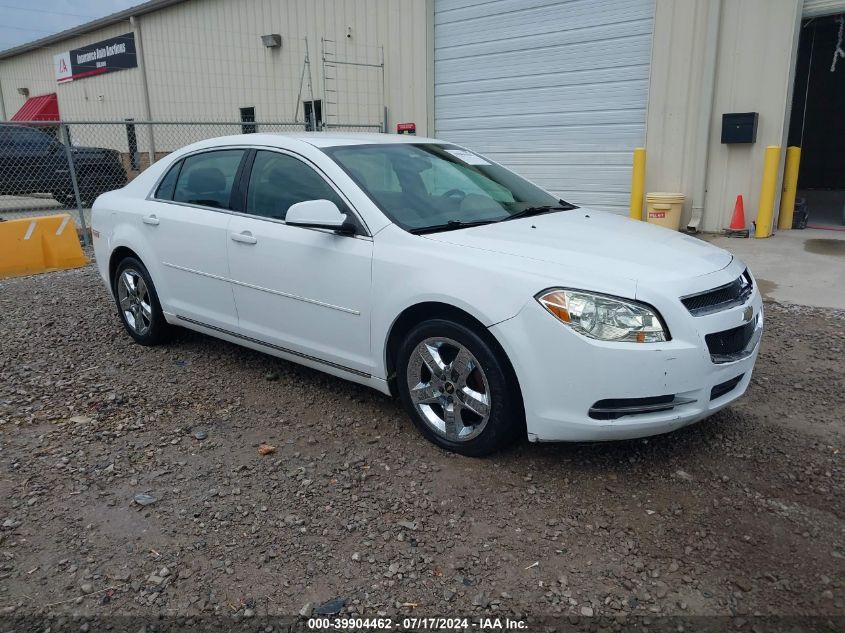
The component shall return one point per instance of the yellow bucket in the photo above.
(664, 209)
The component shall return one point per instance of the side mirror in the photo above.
(319, 214)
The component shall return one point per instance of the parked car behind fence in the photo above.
(34, 161)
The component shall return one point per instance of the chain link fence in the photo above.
(48, 167)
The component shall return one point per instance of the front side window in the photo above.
(423, 186)
(207, 179)
(278, 181)
(25, 138)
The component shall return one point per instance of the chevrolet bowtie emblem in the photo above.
(747, 314)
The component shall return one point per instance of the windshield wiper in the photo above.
(539, 210)
(451, 225)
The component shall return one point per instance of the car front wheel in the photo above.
(137, 303)
(457, 389)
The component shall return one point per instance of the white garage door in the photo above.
(556, 90)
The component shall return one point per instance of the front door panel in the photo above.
(302, 289)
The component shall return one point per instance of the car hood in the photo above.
(597, 241)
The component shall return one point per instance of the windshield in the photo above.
(429, 186)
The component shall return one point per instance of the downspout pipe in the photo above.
(145, 89)
(2, 103)
(708, 91)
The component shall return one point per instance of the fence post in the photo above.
(152, 140)
(72, 168)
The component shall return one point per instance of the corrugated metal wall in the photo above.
(205, 60)
(555, 89)
(757, 43)
(813, 8)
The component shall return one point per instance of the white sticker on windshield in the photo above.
(468, 157)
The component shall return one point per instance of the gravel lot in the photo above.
(741, 514)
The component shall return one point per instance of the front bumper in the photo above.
(563, 375)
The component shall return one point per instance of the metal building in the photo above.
(224, 60)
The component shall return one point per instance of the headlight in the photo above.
(605, 318)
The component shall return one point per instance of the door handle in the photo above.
(245, 237)
(151, 220)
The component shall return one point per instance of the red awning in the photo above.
(40, 108)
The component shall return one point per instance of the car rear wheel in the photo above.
(137, 303)
(456, 388)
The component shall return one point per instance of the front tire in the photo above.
(457, 389)
(138, 304)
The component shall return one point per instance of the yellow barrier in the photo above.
(768, 188)
(37, 245)
(638, 184)
(790, 187)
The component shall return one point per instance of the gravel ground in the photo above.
(741, 514)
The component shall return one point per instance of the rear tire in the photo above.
(137, 303)
(458, 391)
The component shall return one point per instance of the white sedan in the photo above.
(492, 308)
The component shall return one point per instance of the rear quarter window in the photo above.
(168, 184)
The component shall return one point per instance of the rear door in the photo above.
(303, 290)
(186, 221)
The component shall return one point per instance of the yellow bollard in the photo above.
(638, 184)
(768, 189)
(790, 187)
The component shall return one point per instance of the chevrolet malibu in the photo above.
(490, 307)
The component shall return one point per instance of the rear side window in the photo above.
(207, 179)
(168, 184)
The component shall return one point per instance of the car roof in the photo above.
(317, 139)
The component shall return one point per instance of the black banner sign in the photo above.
(116, 53)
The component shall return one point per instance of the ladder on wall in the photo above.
(331, 65)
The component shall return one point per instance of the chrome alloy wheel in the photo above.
(449, 388)
(134, 299)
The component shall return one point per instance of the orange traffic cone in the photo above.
(738, 226)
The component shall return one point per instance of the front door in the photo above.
(306, 291)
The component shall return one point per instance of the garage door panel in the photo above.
(585, 99)
(462, 10)
(583, 177)
(557, 59)
(484, 40)
(555, 89)
(586, 138)
(542, 121)
(517, 12)
(543, 81)
(612, 202)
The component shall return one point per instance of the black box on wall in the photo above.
(739, 127)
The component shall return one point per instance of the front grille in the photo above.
(730, 341)
(721, 298)
(724, 388)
